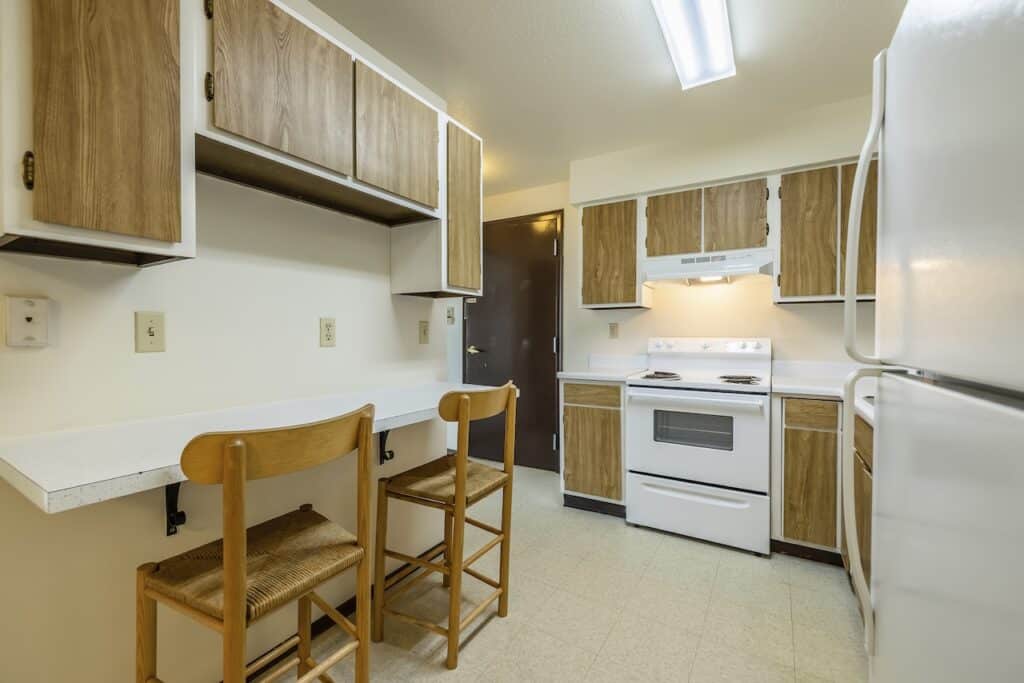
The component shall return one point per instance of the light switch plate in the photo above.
(150, 332)
(28, 321)
(449, 315)
(613, 330)
(424, 332)
(328, 332)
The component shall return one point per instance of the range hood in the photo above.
(707, 266)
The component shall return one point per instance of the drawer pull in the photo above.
(707, 499)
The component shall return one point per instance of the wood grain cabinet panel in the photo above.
(736, 215)
(808, 241)
(592, 454)
(864, 440)
(809, 486)
(812, 413)
(280, 83)
(464, 226)
(396, 138)
(107, 116)
(673, 223)
(862, 503)
(868, 229)
(603, 395)
(609, 253)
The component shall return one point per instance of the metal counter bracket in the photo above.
(175, 517)
(382, 450)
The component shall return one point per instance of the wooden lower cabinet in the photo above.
(809, 486)
(592, 442)
(862, 494)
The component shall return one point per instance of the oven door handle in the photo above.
(731, 404)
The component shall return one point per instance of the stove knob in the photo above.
(757, 345)
(743, 345)
(705, 346)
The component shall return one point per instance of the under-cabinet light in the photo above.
(699, 40)
(712, 278)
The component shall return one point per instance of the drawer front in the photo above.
(603, 395)
(812, 414)
(864, 441)
(729, 517)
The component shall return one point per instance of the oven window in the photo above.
(693, 429)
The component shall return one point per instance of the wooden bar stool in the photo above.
(451, 483)
(231, 583)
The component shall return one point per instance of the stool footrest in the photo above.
(416, 621)
(478, 610)
(430, 554)
(483, 525)
(483, 550)
(480, 577)
(440, 568)
(329, 661)
(335, 616)
(258, 664)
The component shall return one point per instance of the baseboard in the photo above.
(591, 505)
(319, 626)
(807, 553)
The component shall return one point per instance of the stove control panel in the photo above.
(716, 346)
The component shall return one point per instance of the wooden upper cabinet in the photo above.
(107, 116)
(868, 229)
(736, 215)
(464, 203)
(609, 253)
(808, 242)
(673, 223)
(396, 138)
(282, 84)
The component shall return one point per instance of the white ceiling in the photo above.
(548, 81)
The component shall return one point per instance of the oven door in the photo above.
(715, 438)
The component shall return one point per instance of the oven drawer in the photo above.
(724, 516)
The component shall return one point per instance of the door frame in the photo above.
(559, 216)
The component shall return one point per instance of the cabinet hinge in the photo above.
(778, 279)
(767, 229)
(208, 8)
(780, 191)
(28, 170)
(209, 87)
(767, 194)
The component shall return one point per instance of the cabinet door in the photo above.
(673, 223)
(107, 116)
(396, 139)
(464, 224)
(280, 83)
(868, 229)
(593, 451)
(809, 486)
(736, 215)
(862, 493)
(609, 253)
(808, 243)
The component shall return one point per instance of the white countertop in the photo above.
(599, 374)
(68, 469)
(811, 378)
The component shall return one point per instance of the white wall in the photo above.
(242, 327)
(742, 308)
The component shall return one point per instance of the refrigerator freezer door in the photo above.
(951, 234)
(947, 535)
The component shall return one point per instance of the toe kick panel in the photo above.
(735, 518)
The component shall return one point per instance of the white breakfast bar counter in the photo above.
(69, 469)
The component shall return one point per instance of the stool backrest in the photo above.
(273, 452)
(469, 406)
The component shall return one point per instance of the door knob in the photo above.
(473, 349)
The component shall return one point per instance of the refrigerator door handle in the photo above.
(856, 209)
(857, 578)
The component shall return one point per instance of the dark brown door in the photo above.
(512, 331)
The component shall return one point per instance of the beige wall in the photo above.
(742, 308)
(242, 327)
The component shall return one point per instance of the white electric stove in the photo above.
(698, 440)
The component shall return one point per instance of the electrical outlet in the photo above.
(424, 332)
(613, 330)
(150, 332)
(28, 321)
(449, 315)
(328, 332)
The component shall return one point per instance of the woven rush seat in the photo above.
(286, 557)
(435, 480)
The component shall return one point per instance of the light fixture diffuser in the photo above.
(698, 38)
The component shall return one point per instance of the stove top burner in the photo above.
(740, 379)
(661, 374)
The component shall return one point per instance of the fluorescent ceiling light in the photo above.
(699, 40)
(712, 278)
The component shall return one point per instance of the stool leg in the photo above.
(378, 560)
(145, 627)
(455, 576)
(506, 531)
(445, 580)
(363, 620)
(305, 633)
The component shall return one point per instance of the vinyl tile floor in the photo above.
(592, 599)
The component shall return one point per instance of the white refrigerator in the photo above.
(946, 600)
